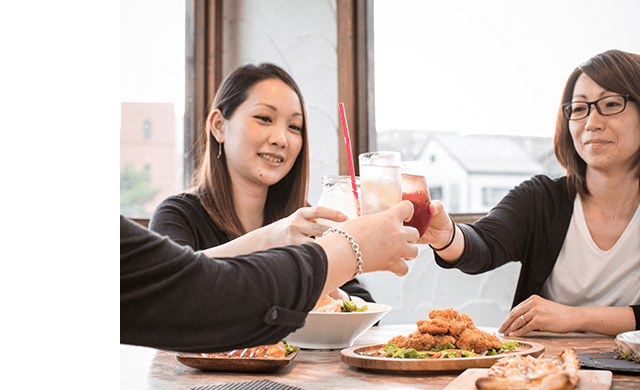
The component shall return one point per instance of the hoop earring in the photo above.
(220, 149)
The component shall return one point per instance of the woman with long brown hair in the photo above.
(250, 190)
(578, 236)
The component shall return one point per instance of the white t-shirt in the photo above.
(585, 275)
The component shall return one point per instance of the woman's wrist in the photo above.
(454, 248)
(451, 240)
(354, 246)
(339, 271)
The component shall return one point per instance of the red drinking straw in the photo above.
(347, 142)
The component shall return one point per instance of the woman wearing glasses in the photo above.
(577, 237)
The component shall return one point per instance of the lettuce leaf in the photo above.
(289, 349)
(350, 306)
(506, 346)
(393, 351)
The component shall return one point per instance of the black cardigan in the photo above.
(185, 220)
(173, 298)
(528, 226)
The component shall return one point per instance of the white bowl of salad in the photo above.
(337, 329)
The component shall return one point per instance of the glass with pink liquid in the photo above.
(415, 190)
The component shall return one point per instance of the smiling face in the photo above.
(263, 137)
(605, 143)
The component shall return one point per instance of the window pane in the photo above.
(152, 88)
(472, 87)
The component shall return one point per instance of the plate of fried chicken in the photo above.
(447, 341)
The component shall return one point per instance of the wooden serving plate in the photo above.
(353, 357)
(195, 360)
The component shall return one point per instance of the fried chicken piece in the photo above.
(442, 339)
(477, 340)
(433, 326)
(415, 334)
(457, 327)
(400, 341)
(445, 314)
(455, 322)
(467, 320)
(423, 342)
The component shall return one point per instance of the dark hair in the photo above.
(613, 70)
(212, 180)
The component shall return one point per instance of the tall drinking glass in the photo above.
(337, 194)
(415, 190)
(380, 177)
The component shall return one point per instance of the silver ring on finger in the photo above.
(523, 319)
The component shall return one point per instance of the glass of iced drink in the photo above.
(415, 190)
(381, 181)
(337, 194)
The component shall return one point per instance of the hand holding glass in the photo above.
(381, 182)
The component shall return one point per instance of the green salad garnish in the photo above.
(350, 306)
(506, 346)
(445, 352)
(289, 349)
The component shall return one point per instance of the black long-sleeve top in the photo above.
(176, 299)
(529, 226)
(184, 219)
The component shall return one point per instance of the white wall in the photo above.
(301, 36)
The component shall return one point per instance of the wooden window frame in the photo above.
(355, 78)
(203, 75)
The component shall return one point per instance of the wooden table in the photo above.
(323, 369)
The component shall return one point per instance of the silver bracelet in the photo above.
(354, 246)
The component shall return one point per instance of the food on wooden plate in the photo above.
(526, 372)
(448, 327)
(273, 351)
(446, 334)
(327, 304)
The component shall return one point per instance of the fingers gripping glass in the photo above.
(608, 105)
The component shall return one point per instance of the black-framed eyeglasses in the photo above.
(608, 105)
